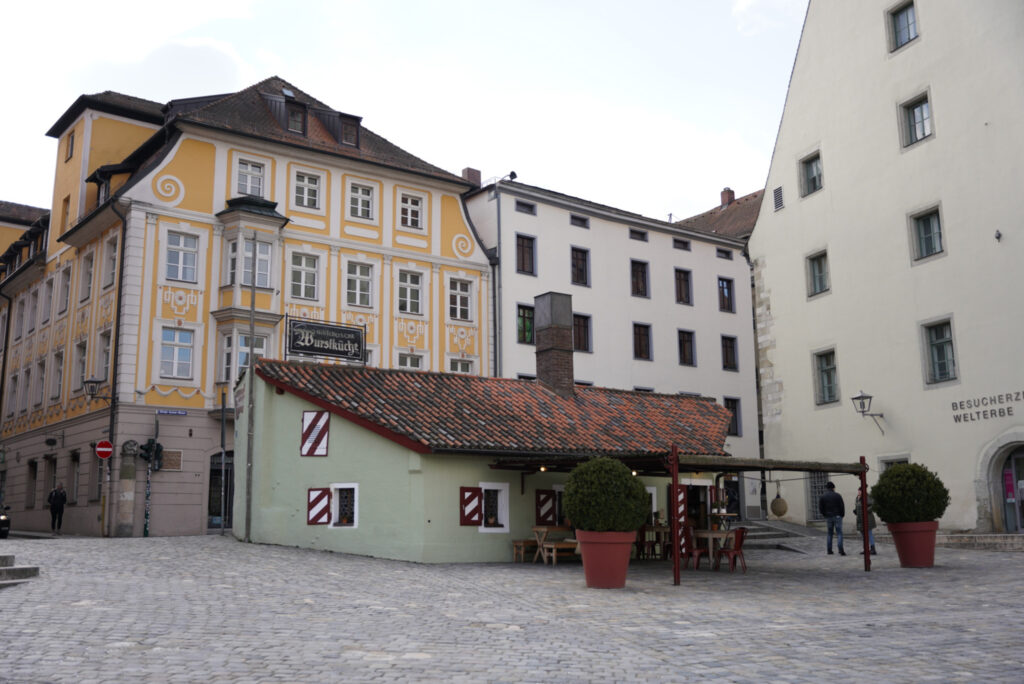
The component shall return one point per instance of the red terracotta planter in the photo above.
(605, 557)
(915, 543)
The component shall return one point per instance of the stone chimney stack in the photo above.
(728, 197)
(472, 175)
(552, 317)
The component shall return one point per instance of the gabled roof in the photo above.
(23, 214)
(734, 220)
(247, 113)
(444, 412)
(111, 103)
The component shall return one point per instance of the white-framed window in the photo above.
(250, 178)
(941, 361)
(307, 190)
(40, 388)
(495, 517)
(812, 178)
(262, 263)
(46, 302)
(109, 261)
(460, 299)
(296, 118)
(57, 376)
(927, 234)
(12, 394)
(85, 283)
(237, 352)
(904, 25)
(410, 361)
(361, 201)
(81, 361)
(359, 284)
(103, 356)
(410, 211)
(463, 366)
(410, 292)
(345, 504)
(826, 388)
(176, 353)
(817, 274)
(65, 289)
(305, 268)
(917, 120)
(182, 257)
(26, 388)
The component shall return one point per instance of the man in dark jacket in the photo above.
(831, 507)
(58, 497)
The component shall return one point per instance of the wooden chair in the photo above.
(735, 551)
(691, 549)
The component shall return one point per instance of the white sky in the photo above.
(651, 106)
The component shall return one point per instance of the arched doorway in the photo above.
(1012, 490)
(214, 508)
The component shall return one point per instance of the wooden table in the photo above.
(721, 536)
(540, 533)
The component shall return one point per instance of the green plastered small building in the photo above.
(440, 467)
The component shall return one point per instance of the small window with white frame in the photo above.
(307, 190)
(460, 300)
(345, 505)
(495, 514)
(109, 261)
(39, 390)
(242, 270)
(81, 361)
(85, 281)
(410, 211)
(812, 178)
(826, 384)
(361, 201)
(410, 292)
(359, 284)
(12, 394)
(238, 351)
(57, 376)
(46, 301)
(304, 272)
(103, 356)
(33, 310)
(176, 353)
(250, 178)
(460, 366)
(917, 120)
(64, 298)
(182, 257)
(410, 361)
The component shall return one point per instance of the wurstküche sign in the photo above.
(326, 339)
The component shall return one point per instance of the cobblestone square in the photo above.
(212, 609)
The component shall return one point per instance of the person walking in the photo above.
(58, 497)
(831, 507)
(871, 522)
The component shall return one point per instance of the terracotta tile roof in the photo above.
(443, 412)
(735, 220)
(247, 113)
(20, 213)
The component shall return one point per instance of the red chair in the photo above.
(691, 549)
(733, 552)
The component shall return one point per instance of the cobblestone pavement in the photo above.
(212, 609)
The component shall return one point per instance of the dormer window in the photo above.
(349, 133)
(296, 118)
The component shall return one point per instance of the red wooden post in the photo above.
(674, 468)
(865, 530)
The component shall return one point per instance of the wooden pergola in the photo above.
(671, 463)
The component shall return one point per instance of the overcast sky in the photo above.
(648, 106)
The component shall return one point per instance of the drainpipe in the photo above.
(115, 354)
(496, 278)
(7, 341)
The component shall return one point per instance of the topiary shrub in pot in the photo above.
(910, 499)
(607, 504)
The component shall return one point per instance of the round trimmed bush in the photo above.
(602, 495)
(909, 492)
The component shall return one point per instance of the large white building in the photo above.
(887, 250)
(656, 306)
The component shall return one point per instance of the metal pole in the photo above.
(223, 484)
(865, 530)
(249, 408)
(149, 474)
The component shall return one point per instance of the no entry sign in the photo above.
(104, 449)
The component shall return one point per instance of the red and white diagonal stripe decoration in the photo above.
(318, 506)
(314, 433)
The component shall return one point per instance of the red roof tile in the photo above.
(443, 412)
(735, 220)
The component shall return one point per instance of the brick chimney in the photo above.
(552, 317)
(472, 175)
(728, 197)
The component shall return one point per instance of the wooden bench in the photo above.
(520, 547)
(553, 548)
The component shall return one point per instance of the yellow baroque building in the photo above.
(182, 238)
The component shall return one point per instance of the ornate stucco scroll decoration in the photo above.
(459, 337)
(169, 189)
(462, 245)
